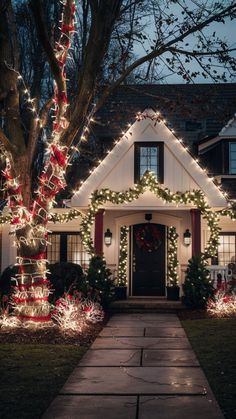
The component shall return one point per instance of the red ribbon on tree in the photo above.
(58, 156)
(67, 28)
(38, 257)
(28, 300)
(7, 175)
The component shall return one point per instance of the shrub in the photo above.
(198, 286)
(66, 277)
(100, 281)
(5, 279)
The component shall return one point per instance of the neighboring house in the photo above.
(151, 143)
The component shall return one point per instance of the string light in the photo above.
(149, 181)
(222, 305)
(172, 259)
(123, 255)
(31, 291)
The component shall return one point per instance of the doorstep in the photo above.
(146, 304)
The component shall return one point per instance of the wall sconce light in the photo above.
(108, 237)
(187, 237)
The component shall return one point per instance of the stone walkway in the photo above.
(141, 366)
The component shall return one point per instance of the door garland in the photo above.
(149, 181)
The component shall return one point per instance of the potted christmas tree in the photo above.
(198, 287)
(100, 281)
(172, 288)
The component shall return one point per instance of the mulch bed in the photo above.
(52, 335)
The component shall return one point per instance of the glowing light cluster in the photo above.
(172, 259)
(68, 314)
(123, 255)
(9, 322)
(92, 311)
(223, 305)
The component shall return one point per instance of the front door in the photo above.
(148, 262)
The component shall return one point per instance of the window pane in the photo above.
(226, 249)
(53, 248)
(75, 251)
(232, 158)
(149, 160)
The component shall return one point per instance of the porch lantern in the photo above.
(187, 237)
(108, 237)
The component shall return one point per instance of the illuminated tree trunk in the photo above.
(30, 298)
(30, 209)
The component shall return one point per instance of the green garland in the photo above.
(172, 260)
(65, 217)
(54, 217)
(149, 181)
(122, 267)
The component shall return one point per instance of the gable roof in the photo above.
(227, 132)
(110, 172)
(184, 106)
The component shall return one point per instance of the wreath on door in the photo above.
(148, 237)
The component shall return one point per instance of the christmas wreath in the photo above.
(148, 237)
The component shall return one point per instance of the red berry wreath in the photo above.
(148, 237)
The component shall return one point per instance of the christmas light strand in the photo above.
(30, 225)
(172, 259)
(123, 255)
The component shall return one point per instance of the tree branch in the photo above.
(102, 24)
(7, 144)
(157, 52)
(197, 53)
(37, 10)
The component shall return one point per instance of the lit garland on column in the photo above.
(172, 259)
(30, 225)
(149, 181)
(122, 267)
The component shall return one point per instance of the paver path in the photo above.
(141, 366)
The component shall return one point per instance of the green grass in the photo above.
(214, 341)
(32, 375)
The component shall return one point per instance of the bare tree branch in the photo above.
(7, 144)
(161, 50)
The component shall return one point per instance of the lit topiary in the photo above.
(198, 287)
(100, 281)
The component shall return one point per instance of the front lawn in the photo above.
(214, 341)
(32, 375)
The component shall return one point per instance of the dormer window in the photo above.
(148, 156)
(232, 158)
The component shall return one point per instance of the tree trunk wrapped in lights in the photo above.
(30, 217)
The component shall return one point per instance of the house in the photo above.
(148, 225)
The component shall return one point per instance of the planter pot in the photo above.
(172, 293)
(120, 293)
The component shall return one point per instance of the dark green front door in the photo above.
(148, 262)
